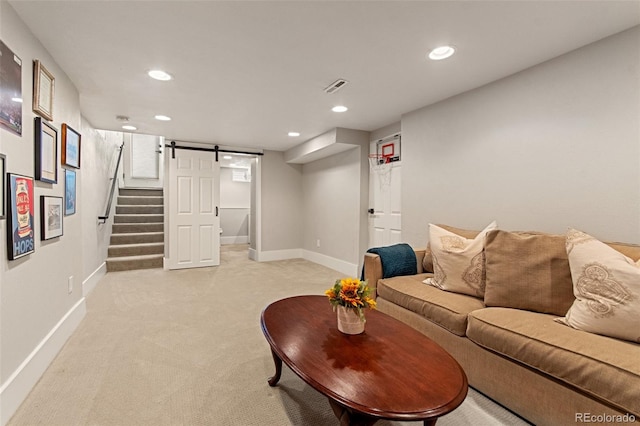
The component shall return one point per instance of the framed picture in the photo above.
(50, 217)
(69, 192)
(43, 90)
(10, 90)
(46, 138)
(70, 147)
(3, 169)
(20, 228)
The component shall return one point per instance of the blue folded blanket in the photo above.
(398, 259)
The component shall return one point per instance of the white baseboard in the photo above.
(321, 259)
(16, 388)
(253, 254)
(92, 280)
(339, 265)
(235, 239)
(271, 255)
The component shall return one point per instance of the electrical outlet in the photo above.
(317, 243)
(70, 284)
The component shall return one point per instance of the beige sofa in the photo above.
(508, 343)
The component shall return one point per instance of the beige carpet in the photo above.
(185, 348)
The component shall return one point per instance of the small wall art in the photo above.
(70, 147)
(50, 217)
(69, 192)
(20, 229)
(3, 184)
(43, 90)
(10, 90)
(46, 149)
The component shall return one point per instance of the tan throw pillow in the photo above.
(458, 262)
(427, 261)
(606, 284)
(528, 270)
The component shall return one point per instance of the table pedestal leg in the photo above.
(348, 417)
(278, 362)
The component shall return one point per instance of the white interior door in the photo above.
(385, 222)
(142, 157)
(194, 222)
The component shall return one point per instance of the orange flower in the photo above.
(351, 293)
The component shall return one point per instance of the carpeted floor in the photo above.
(185, 348)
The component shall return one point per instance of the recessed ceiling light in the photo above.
(339, 108)
(441, 52)
(162, 118)
(19, 100)
(129, 127)
(160, 75)
(294, 134)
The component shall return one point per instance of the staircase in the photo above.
(137, 238)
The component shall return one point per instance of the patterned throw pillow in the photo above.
(606, 284)
(458, 262)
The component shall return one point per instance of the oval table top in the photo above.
(391, 371)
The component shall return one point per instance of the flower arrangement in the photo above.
(352, 294)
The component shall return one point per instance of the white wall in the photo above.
(37, 312)
(332, 206)
(281, 195)
(235, 207)
(99, 157)
(554, 146)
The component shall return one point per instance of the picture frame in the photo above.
(70, 146)
(20, 215)
(43, 90)
(46, 151)
(69, 192)
(3, 171)
(51, 213)
(10, 90)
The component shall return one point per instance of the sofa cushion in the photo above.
(449, 310)
(458, 262)
(528, 270)
(606, 284)
(427, 260)
(601, 366)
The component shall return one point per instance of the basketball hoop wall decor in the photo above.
(381, 162)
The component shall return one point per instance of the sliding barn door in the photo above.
(194, 223)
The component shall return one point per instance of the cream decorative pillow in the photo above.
(458, 262)
(606, 284)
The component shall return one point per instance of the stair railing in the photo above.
(113, 188)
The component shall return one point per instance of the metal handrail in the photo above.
(113, 188)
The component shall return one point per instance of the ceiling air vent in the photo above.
(336, 85)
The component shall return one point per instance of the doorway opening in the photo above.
(235, 199)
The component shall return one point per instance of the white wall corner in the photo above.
(339, 265)
(92, 280)
(14, 391)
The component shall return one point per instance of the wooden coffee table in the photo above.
(391, 371)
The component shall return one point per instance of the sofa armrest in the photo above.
(373, 269)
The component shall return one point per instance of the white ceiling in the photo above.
(246, 73)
